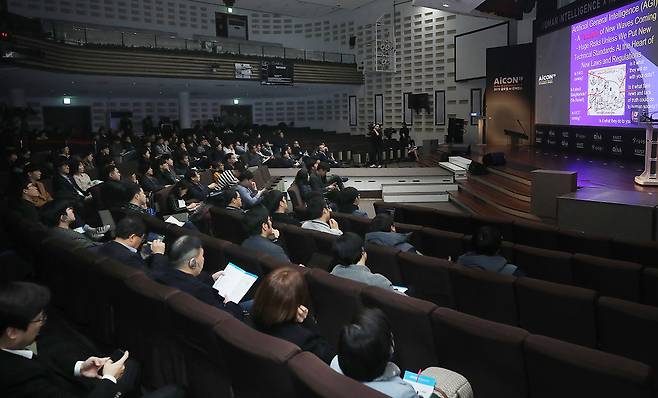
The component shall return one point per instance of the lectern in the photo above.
(648, 177)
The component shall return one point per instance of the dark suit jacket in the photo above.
(113, 194)
(120, 253)
(200, 287)
(258, 244)
(66, 189)
(166, 178)
(36, 377)
(304, 336)
(197, 192)
(151, 184)
(317, 185)
(27, 210)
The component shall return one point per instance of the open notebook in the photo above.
(235, 283)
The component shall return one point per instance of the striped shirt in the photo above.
(226, 180)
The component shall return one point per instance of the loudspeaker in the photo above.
(352, 41)
(494, 159)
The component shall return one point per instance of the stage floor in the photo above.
(593, 172)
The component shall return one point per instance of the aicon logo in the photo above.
(508, 80)
(565, 134)
(617, 150)
(597, 137)
(546, 79)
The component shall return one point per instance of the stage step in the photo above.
(459, 172)
(498, 200)
(474, 205)
(520, 176)
(417, 192)
(504, 185)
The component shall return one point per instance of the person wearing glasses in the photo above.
(26, 374)
(320, 215)
(130, 235)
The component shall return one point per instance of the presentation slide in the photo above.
(611, 73)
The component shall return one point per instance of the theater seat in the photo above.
(629, 329)
(312, 378)
(559, 369)
(205, 366)
(300, 244)
(384, 260)
(650, 286)
(411, 326)
(227, 226)
(613, 278)
(641, 252)
(428, 277)
(485, 294)
(442, 244)
(335, 301)
(488, 354)
(536, 235)
(564, 312)
(257, 362)
(548, 265)
(149, 339)
(504, 226)
(416, 233)
(350, 223)
(578, 242)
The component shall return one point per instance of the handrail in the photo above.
(84, 35)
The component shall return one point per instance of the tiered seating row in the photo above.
(186, 342)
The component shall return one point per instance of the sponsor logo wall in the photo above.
(614, 143)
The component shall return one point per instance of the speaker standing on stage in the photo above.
(376, 143)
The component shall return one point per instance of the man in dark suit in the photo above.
(185, 273)
(165, 173)
(130, 235)
(25, 374)
(25, 206)
(64, 186)
(113, 191)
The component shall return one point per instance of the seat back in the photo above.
(645, 253)
(312, 378)
(300, 244)
(384, 260)
(442, 244)
(559, 369)
(650, 286)
(579, 242)
(536, 235)
(548, 265)
(205, 367)
(414, 346)
(428, 277)
(629, 329)
(149, 338)
(160, 198)
(560, 311)
(504, 226)
(484, 294)
(335, 301)
(251, 354)
(613, 278)
(227, 225)
(488, 354)
(295, 195)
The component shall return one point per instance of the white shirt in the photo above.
(76, 369)
(132, 249)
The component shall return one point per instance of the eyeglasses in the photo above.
(42, 319)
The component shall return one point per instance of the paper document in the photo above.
(172, 220)
(424, 385)
(400, 289)
(235, 283)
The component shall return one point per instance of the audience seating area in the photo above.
(203, 349)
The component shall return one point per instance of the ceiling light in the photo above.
(236, 101)
(66, 100)
(230, 10)
(446, 5)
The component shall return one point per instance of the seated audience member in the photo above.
(230, 161)
(59, 216)
(303, 184)
(104, 157)
(324, 155)
(280, 309)
(249, 193)
(80, 176)
(26, 204)
(381, 231)
(486, 243)
(348, 200)
(185, 273)
(182, 164)
(226, 178)
(147, 179)
(130, 234)
(320, 215)
(349, 251)
(138, 202)
(253, 157)
(258, 225)
(233, 200)
(87, 159)
(319, 181)
(24, 374)
(113, 191)
(33, 172)
(197, 191)
(275, 202)
(365, 350)
(176, 199)
(64, 186)
(165, 173)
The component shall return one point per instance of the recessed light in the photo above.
(446, 5)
